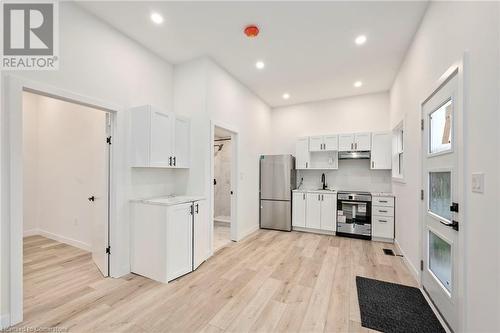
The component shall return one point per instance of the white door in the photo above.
(161, 139)
(99, 199)
(331, 142)
(346, 142)
(182, 138)
(201, 237)
(299, 209)
(316, 143)
(313, 211)
(328, 211)
(363, 141)
(179, 241)
(302, 156)
(381, 154)
(441, 200)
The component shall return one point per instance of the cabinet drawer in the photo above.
(383, 201)
(382, 211)
(383, 227)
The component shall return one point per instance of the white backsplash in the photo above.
(354, 175)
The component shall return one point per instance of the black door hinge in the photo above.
(108, 250)
(421, 194)
(422, 124)
(108, 140)
(454, 207)
(421, 265)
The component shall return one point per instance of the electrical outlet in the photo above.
(478, 182)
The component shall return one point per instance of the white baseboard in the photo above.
(413, 270)
(59, 238)
(4, 321)
(314, 231)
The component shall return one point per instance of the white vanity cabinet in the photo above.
(168, 240)
(383, 218)
(381, 153)
(314, 211)
(159, 138)
(355, 142)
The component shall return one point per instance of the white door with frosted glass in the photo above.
(440, 114)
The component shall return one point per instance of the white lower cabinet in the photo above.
(313, 210)
(383, 218)
(299, 209)
(168, 241)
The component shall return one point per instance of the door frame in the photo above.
(234, 179)
(12, 176)
(458, 70)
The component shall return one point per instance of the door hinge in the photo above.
(108, 140)
(454, 207)
(422, 124)
(421, 194)
(108, 250)
(421, 265)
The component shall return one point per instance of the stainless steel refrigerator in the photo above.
(277, 180)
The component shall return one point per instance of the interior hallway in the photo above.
(271, 281)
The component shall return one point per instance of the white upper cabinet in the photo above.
(316, 143)
(346, 142)
(331, 142)
(381, 152)
(323, 143)
(355, 142)
(181, 154)
(302, 155)
(363, 141)
(159, 139)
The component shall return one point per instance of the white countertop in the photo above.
(169, 200)
(382, 194)
(315, 191)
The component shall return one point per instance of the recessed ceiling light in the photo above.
(360, 40)
(156, 18)
(260, 64)
(286, 96)
(358, 84)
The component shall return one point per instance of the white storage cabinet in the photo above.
(381, 153)
(159, 138)
(383, 218)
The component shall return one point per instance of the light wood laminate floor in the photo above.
(270, 282)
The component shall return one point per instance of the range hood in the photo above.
(354, 155)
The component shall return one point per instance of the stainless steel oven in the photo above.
(354, 214)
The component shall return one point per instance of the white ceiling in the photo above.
(308, 47)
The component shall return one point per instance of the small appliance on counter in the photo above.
(354, 214)
(277, 180)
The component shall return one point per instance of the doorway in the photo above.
(224, 149)
(442, 188)
(66, 178)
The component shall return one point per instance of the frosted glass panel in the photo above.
(440, 193)
(440, 128)
(440, 259)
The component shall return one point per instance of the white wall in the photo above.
(364, 113)
(354, 175)
(206, 93)
(66, 158)
(99, 62)
(448, 29)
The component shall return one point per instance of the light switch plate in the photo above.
(478, 182)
